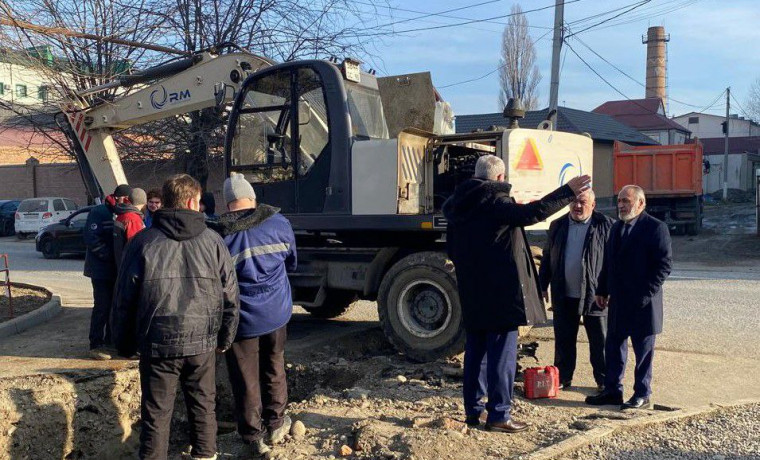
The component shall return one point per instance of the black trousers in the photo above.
(259, 386)
(100, 324)
(617, 356)
(158, 381)
(566, 324)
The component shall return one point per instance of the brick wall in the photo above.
(63, 179)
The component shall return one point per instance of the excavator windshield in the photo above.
(277, 109)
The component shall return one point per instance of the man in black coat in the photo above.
(571, 263)
(637, 261)
(497, 281)
(176, 303)
(100, 267)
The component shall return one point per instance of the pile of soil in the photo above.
(25, 299)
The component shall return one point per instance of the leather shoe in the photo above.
(565, 385)
(475, 421)
(509, 426)
(636, 402)
(604, 398)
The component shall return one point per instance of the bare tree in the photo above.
(753, 101)
(63, 65)
(279, 29)
(518, 73)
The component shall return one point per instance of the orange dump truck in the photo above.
(671, 176)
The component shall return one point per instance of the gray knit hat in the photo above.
(237, 187)
(138, 197)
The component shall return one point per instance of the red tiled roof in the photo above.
(640, 114)
(714, 145)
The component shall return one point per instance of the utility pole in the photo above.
(559, 19)
(725, 147)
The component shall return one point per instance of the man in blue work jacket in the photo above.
(263, 249)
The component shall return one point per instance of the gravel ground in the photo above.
(726, 434)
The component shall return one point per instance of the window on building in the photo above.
(20, 90)
(693, 120)
(42, 93)
(2, 88)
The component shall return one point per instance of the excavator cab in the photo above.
(291, 130)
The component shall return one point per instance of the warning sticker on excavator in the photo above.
(541, 160)
(529, 159)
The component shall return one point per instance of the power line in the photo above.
(708, 107)
(602, 78)
(440, 14)
(429, 21)
(473, 21)
(652, 14)
(598, 15)
(637, 5)
(624, 95)
(746, 114)
(628, 75)
(426, 15)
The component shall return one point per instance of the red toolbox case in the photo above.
(541, 382)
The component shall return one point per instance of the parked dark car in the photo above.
(67, 236)
(7, 216)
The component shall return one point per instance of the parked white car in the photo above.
(35, 213)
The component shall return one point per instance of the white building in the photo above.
(25, 77)
(705, 125)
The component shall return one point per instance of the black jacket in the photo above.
(633, 274)
(553, 262)
(177, 292)
(99, 261)
(496, 276)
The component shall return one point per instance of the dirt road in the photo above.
(351, 389)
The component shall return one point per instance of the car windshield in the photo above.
(33, 206)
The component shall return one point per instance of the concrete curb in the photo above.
(33, 318)
(585, 438)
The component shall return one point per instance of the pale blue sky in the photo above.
(713, 44)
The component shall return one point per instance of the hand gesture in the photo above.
(580, 184)
(602, 301)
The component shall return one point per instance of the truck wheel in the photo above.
(50, 249)
(337, 302)
(419, 309)
(692, 229)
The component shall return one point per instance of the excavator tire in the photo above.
(419, 309)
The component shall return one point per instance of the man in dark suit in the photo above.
(571, 263)
(637, 261)
(497, 282)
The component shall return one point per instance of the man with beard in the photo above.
(637, 261)
(572, 259)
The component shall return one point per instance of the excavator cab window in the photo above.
(263, 142)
